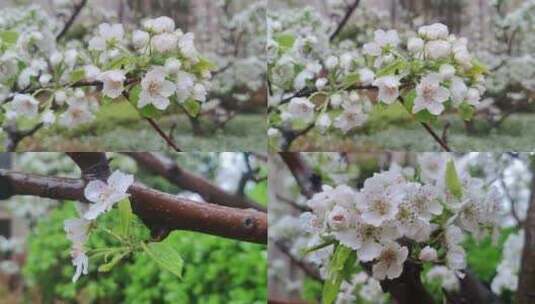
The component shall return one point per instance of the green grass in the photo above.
(394, 129)
(118, 127)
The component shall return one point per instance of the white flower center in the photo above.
(154, 88)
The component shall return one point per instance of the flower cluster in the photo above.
(507, 271)
(103, 196)
(330, 85)
(44, 81)
(430, 209)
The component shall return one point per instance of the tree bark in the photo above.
(308, 181)
(159, 211)
(526, 279)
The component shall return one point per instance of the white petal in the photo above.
(95, 210)
(369, 251)
(160, 102)
(394, 271)
(94, 189)
(167, 88)
(120, 181)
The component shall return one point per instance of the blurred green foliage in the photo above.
(216, 270)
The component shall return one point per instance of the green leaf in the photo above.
(148, 111)
(408, 100)
(116, 259)
(466, 111)
(478, 68)
(120, 62)
(9, 37)
(77, 75)
(285, 41)
(336, 275)
(203, 65)
(452, 180)
(425, 116)
(192, 107)
(351, 79)
(392, 68)
(125, 217)
(165, 256)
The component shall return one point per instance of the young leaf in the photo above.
(114, 261)
(466, 111)
(285, 41)
(336, 267)
(392, 68)
(452, 180)
(77, 75)
(9, 37)
(165, 256)
(192, 107)
(408, 100)
(125, 217)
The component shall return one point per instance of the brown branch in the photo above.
(308, 181)
(158, 210)
(350, 10)
(162, 134)
(14, 136)
(293, 204)
(169, 169)
(310, 270)
(69, 23)
(525, 293)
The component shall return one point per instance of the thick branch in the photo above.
(408, 288)
(156, 209)
(526, 279)
(76, 12)
(169, 169)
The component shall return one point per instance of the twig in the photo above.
(310, 270)
(350, 10)
(162, 134)
(69, 23)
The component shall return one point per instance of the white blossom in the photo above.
(113, 83)
(430, 95)
(108, 36)
(105, 195)
(156, 89)
(390, 261)
(388, 88)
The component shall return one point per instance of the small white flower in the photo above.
(105, 195)
(434, 31)
(415, 45)
(321, 83)
(160, 25)
(172, 65)
(428, 254)
(91, 72)
(109, 36)
(45, 79)
(56, 58)
(186, 45)
(473, 96)
(366, 76)
(323, 122)
(113, 83)
(301, 108)
(184, 85)
(25, 105)
(437, 49)
(430, 95)
(382, 39)
(199, 92)
(166, 42)
(390, 261)
(273, 132)
(48, 118)
(77, 113)
(60, 97)
(156, 89)
(458, 90)
(446, 71)
(140, 39)
(388, 88)
(331, 62)
(353, 116)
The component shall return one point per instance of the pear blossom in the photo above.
(105, 195)
(199, 92)
(331, 62)
(458, 90)
(301, 108)
(437, 49)
(382, 39)
(321, 83)
(160, 25)
(473, 96)
(353, 116)
(415, 45)
(434, 31)
(140, 39)
(156, 89)
(113, 83)
(186, 44)
(388, 88)
(390, 261)
(77, 113)
(166, 42)
(428, 254)
(446, 71)
(24, 105)
(184, 85)
(77, 232)
(366, 76)
(172, 66)
(323, 122)
(430, 95)
(108, 36)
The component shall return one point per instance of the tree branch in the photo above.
(162, 134)
(310, 270)
(350, 10)
(308, 181)
(69, 23)
(169, 169)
